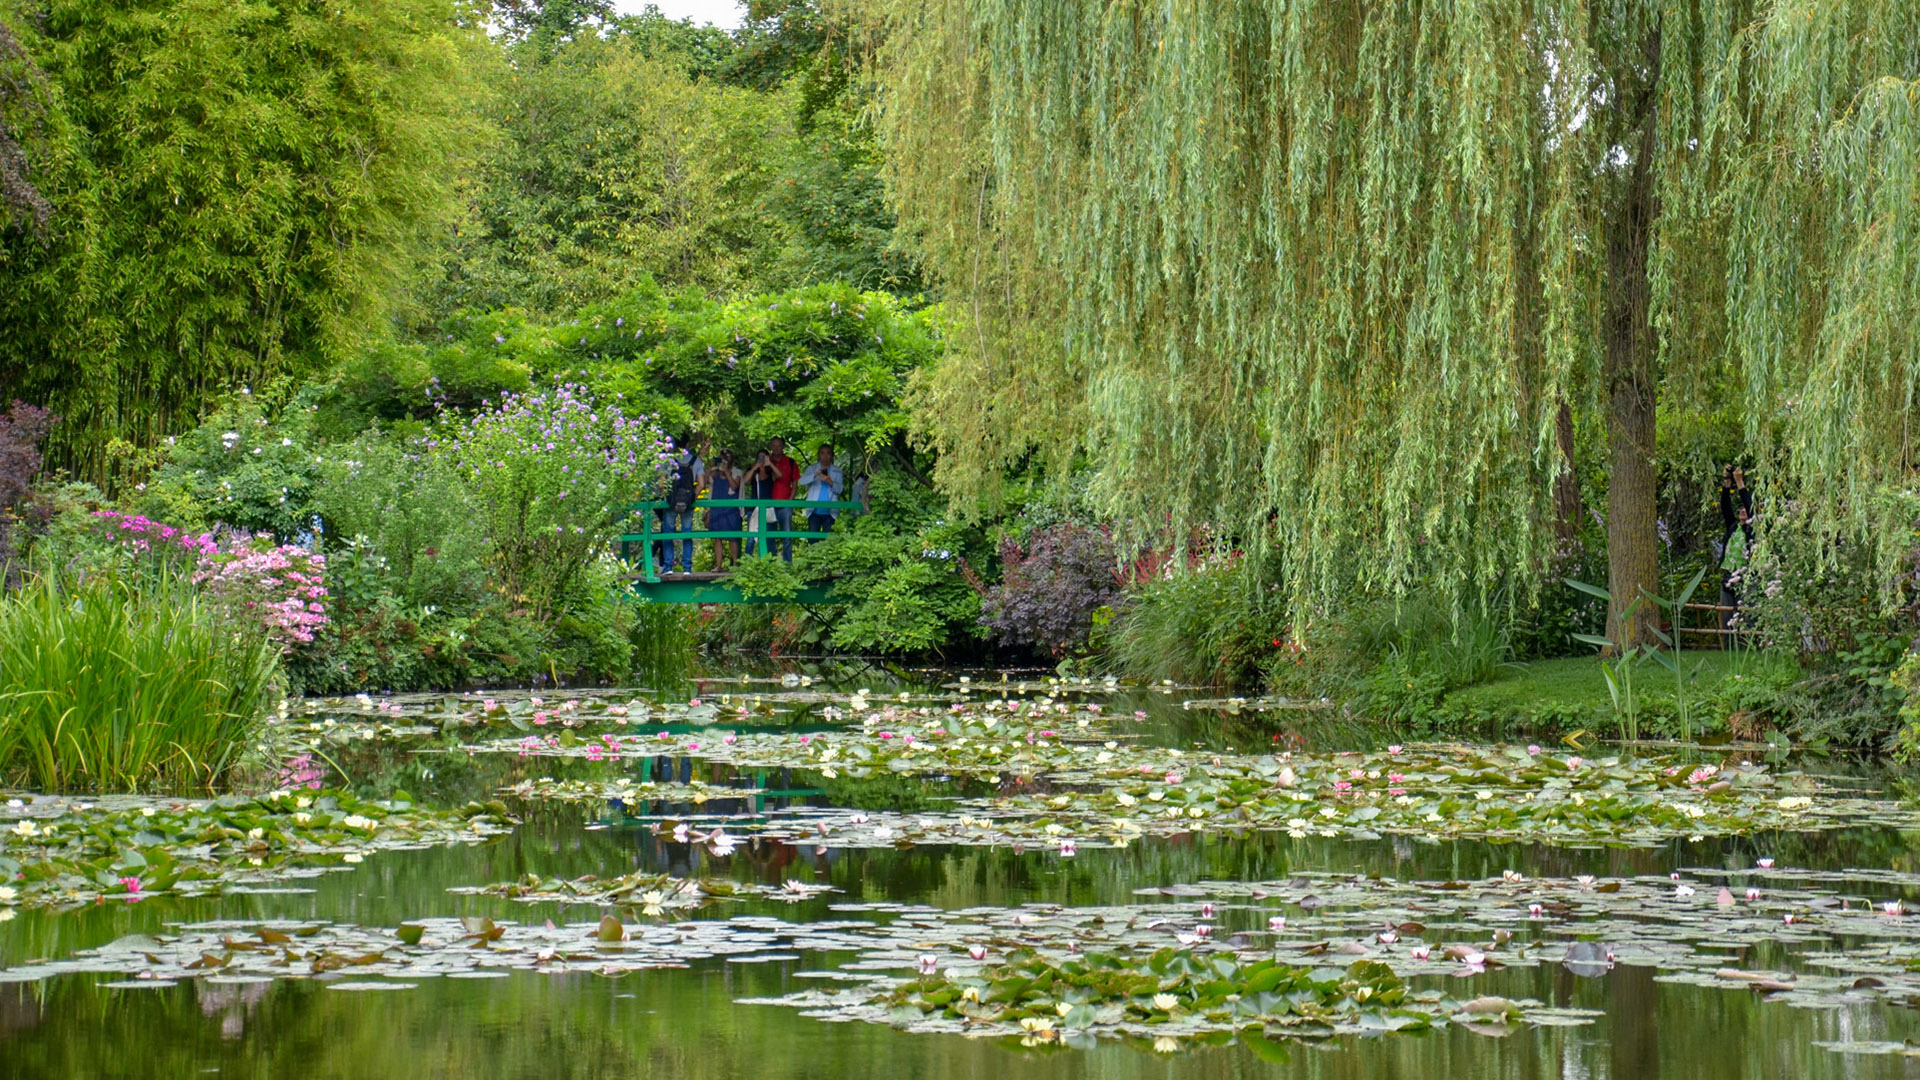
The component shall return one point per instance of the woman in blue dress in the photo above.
(724, 478)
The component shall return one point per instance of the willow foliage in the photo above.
(1320, 272)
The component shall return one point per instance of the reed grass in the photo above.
(105, 688)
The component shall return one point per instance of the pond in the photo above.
(761, 905)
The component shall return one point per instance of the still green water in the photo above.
(686, 1023)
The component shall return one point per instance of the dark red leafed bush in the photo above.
(22, 429)
(1050, 589)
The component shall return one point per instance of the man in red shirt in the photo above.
(788, 476)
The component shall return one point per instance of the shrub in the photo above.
(103, 688)
(23, 428)
(250, 465)
(412, 514)
(276, 589)
(1050, 588)
(552, 475)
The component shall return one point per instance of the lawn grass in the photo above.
(1547, 696)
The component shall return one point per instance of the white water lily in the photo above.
(1124, 799)
(1166, 1044)
(1165, 1002)
(720, 843)
(25, 828)
(7, 894)
(352, 857)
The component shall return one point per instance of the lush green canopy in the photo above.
(1322, 273)
(238, 190)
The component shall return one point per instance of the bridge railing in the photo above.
(644, 514)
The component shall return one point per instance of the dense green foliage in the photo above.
(238, 191)
(1323, 276)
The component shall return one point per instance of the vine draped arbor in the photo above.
(1337, 276)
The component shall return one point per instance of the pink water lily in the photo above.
(1573, 762)
(977, 952)
(1764, 864)
(729, 739)
(131, 884)
(1393, 748)
(1533, 750)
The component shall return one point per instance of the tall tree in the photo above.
(245, 190)
(1323, 273)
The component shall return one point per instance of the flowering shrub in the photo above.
(553, 474)
(142, 535)
(278, 588)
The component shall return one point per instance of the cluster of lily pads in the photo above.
(1307, 956)
(1170, 994)
(65, 851)
(652, 895)
(1075, 779)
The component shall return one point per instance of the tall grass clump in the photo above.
(107, 688)
(1215, 624)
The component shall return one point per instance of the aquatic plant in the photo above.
(107, 688)
(62, 851)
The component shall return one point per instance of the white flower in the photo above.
(1166, 1044)
(25, 828)
(1165, 1002)
(352, 857)
(6, 914)
(7, 894)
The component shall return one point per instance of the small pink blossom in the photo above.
(1573, 762)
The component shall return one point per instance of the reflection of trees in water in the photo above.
(232, 1003)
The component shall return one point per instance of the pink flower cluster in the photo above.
(137, 532)
(279, 587)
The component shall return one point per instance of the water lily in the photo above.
(1277, 922)
(1535, 910)
(1393, 748)
(929, 964)
(1683, 890)
(1573, 762)
(131, 884)
(1764, 864)
(977, 952)
(1892, 907)
(1165, 1002)
(1533, 750)
(1206, 911)
(720, 843)
(1753, 894)
(1069, 848)
(1421, 951)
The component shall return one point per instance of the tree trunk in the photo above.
(1567, 504)
(1633, 559)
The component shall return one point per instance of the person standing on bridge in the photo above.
(786, 475)
(822, 483)
(724, 480)
(683, 491)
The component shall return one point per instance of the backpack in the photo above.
(680, 495)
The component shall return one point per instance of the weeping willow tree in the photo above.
(1333, 276)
